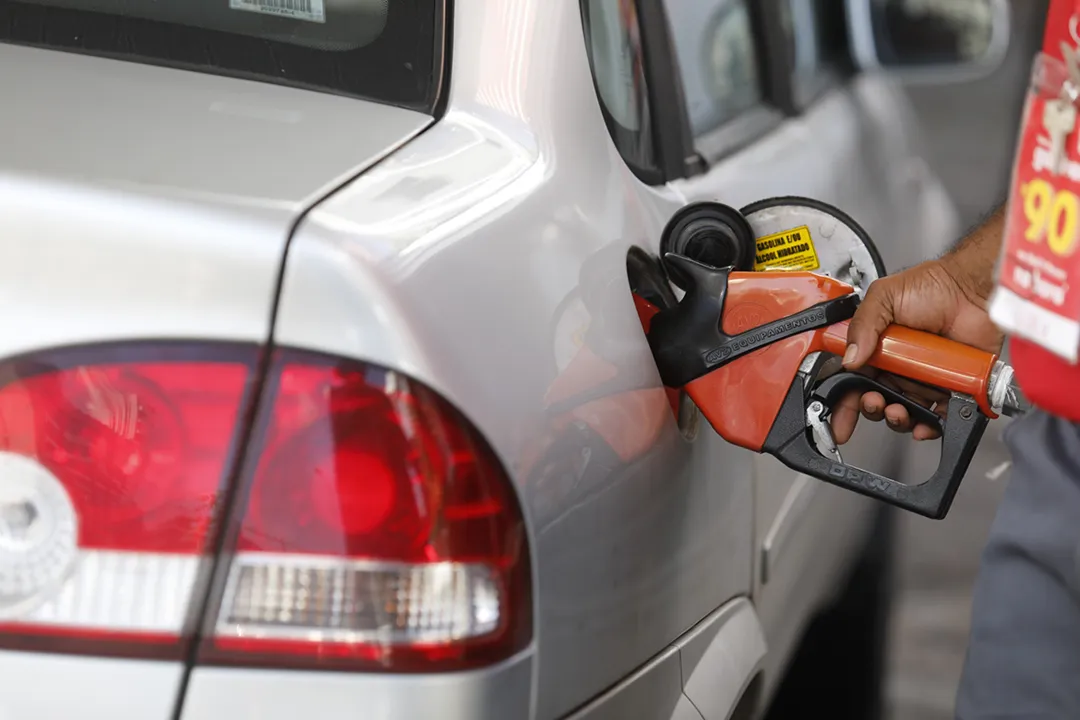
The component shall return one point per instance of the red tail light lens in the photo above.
(111, 472)
(379, 531)
(374, 528)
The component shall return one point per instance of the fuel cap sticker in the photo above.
(787, 250)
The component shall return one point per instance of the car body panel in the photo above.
(51, 687)
(721, 657)
(191, 223)
(497, 693)
(653, 691)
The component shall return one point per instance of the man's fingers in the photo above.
(845, 415)
(897, 418)
(925, 432)
(873, 316)
(873, 406)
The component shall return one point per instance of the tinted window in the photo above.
(714, 43)
(385, 50)
(613, 41)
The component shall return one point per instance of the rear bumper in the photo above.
(56, 687)
(503, 692)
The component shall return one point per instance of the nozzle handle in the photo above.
(789, 442)
(926, 358)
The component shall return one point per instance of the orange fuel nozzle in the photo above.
(749, 349)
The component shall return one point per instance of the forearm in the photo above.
(973, 259)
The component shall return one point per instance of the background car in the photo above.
(326, 392)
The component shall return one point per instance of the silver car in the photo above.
(324, 392)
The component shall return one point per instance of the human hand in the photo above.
(935, 296)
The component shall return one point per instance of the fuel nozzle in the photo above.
(770, 291)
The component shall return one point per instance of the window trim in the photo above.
(674, 155)
(775, 61)
(672, 138)
(681, 155)
(444, 54)
(653, 174)
(775, 86)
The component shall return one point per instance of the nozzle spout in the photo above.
(1004, 393)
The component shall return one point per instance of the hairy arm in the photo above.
(971, 263)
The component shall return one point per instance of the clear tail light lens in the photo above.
(377, 531)
(110, 474)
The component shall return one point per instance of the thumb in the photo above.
(874, 314)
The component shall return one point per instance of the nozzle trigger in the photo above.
(816, 420)
(832, 390)
(796, 430)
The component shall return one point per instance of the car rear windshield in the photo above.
(384, 50)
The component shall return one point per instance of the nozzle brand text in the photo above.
(849, 476)
(868, 481)
(749, 340)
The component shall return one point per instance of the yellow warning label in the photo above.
(788, 250)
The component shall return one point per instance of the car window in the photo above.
(386, 50)
(616, 57)
(717, 59)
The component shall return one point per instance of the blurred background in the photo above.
(970, 132)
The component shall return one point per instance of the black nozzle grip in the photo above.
(789, 442)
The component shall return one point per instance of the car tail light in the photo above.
(371, 527)
(376, 530)
(112, 463)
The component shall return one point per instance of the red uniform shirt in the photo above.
(1050, 382)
